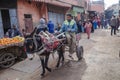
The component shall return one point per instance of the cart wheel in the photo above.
(8, 59)
(79, 52)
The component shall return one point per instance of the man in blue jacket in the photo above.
(51, 27)
(70, 28)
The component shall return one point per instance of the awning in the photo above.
(58, 9)
(54, 2)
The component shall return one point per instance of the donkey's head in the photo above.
(31, 40)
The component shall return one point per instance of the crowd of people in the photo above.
(87, 26)
(99, 23)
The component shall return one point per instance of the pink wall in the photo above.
(26, 8)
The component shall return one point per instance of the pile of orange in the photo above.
(7, 41)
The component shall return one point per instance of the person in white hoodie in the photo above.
(42, 26)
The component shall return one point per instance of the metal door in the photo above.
(13, 17)
(1, 26)
(52, 17)
(5, 19)
(56, 18)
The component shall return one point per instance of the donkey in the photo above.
(34, 44)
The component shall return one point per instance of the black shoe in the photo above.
(43, 74)
(31, 59)
(80, 59)
(49, 69)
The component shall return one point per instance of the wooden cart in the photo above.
(10, 53)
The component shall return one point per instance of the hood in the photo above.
(42, 21)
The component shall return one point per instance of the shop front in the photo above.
(56, 14)
(76, 12)
(8, 16)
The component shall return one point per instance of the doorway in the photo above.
(6, 20)
(28, 23)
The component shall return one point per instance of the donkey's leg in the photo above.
(43, 65)
(46, 62)
(59, 59)
(62, 53)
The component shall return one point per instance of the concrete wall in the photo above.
(26, 8)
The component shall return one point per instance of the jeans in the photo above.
(113, 28)
(71, 39)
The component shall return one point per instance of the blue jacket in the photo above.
(50, 27)
(69, 26)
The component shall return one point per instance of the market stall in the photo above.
(10, 50)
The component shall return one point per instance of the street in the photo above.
(101, 62)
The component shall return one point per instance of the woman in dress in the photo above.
(88, 27)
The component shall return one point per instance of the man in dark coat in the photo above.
(113, 24)
(79, 25)
(13, 32)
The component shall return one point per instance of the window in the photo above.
(27, 15)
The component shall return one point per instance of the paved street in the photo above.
(101, 62)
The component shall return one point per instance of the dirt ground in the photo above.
(101, 62)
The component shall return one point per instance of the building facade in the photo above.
(25, 14)
(115, 9)
(8, 15)
(112, 10)
(98, 6)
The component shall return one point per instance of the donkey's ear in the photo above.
(34, 31)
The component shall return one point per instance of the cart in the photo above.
(62, 40)
(10, 53)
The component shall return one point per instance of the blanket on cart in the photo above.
(49, 40)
